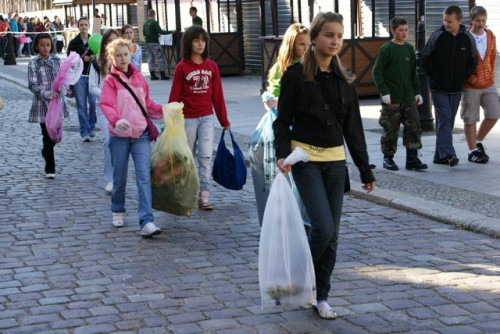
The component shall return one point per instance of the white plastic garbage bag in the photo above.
(286, 271)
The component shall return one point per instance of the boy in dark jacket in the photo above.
(449, 58)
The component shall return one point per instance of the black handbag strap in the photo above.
(127, 87)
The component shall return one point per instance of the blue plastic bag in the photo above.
(262, 158)
(229, 169)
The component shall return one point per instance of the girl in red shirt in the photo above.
(197, 85)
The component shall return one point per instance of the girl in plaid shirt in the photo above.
(42, 71)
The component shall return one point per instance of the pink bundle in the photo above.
(69, 73)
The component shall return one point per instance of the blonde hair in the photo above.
(117, 43)
(308, 59)
(286, 52)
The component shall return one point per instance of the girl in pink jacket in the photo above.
(128, 133)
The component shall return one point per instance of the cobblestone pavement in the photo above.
(65, 269)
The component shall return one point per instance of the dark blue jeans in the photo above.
(445, 106)
(321, 187)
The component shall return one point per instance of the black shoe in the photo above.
(389, 164)
(415, 164)
(153, 76)
(452, 160)
(482, 149)
(477, 157)
(164, 77)
(443, 161)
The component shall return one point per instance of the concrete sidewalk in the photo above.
(465, 196)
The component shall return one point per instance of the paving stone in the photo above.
(47, 309)
(449, 310)
(479, 307)
(185, 328)
(458, 330)
(186, 317)
(37, 319)
(129, 325)
(77, 313)
(69, 324)
(95, 329)
(368, 308)
(6, 323)
(104, 310)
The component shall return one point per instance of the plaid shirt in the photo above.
(41, 74)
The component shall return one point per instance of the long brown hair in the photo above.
(102, 57)
(125, 27)
(308, 59)
(286, 52)
(187, 38)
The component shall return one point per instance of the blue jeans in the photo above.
(200, 136)
(446, 106)
(321, 187)
(87, 119)
(103, 125)
(140, 149)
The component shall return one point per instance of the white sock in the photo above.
(323, 305)
(473, 150)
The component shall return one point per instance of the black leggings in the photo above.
(48, 151)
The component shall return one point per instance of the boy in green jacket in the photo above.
(153, 48)
(395, 74)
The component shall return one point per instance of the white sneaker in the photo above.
(50, 176)
(118, 219)
(86, 139)
(149, 230)
(109, 187)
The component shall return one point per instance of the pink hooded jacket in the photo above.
(117, 103)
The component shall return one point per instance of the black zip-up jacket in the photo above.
(449, 60)
(322, 114)
(77, 45)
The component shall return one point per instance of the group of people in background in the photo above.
(112, 94)
(460, 64)
(26, 28)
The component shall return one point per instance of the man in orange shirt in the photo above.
(479, 89)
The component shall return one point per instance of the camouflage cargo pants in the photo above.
(390, 119)
(155, 55)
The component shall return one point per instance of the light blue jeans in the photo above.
(86, 116)
(140, 149)
(103, 125)
(445, 106)
(200, 136)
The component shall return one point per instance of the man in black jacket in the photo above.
(449, 58)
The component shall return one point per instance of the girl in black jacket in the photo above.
(317, 110)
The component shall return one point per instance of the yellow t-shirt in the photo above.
(322, 154)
